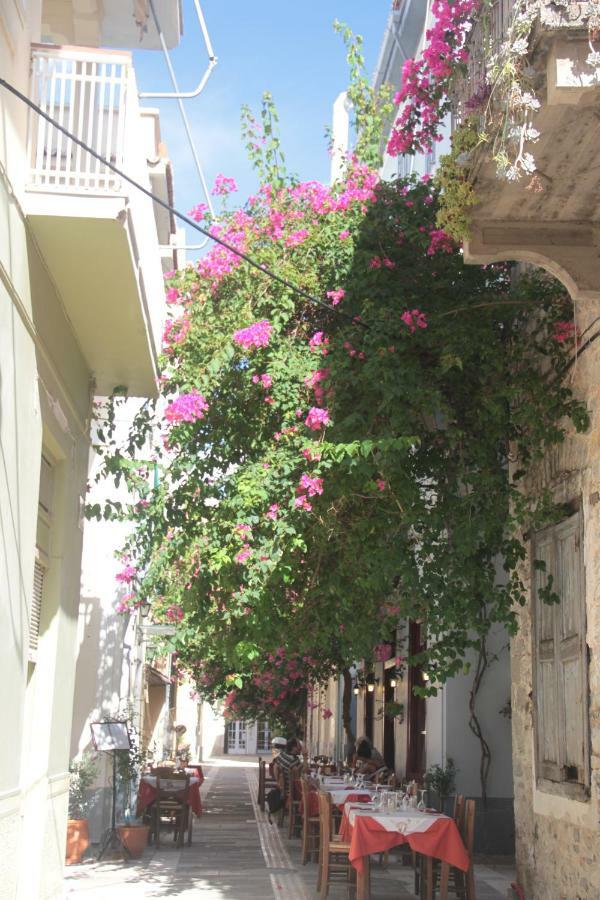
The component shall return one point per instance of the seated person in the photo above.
(369, 761)
(288, 762)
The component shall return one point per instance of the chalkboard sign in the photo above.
(110, 735)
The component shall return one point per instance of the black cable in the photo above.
(171, 209)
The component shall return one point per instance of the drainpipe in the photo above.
(179, 96)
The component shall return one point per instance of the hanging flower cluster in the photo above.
(423, 94)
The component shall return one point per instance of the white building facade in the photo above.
(81, 312)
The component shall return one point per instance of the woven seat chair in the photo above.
(310, 825)
(265, 782)
(334, 861)
(172, 795)
(293, 804)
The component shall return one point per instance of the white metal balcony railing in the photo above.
(487, 35)
(88, 92)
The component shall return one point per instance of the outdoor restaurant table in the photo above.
(435, 836)
(147, 791)
(349, 793)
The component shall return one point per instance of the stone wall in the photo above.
(558, 839)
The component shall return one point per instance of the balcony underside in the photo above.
(555, 221)
(89, 253)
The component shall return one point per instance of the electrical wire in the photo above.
(175, 212)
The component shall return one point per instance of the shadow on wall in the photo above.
(97, 694)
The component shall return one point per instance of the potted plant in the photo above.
(440, 780)
(133, 832)
(81, 777)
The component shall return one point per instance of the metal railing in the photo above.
(486, 37)
(88, 92)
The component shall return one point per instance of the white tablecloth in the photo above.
(339, 796)
(169, 784)
(409, 821)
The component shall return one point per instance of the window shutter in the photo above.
(571, 655)
(546, 676)
(35, 612)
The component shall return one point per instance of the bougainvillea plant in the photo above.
(324, 468)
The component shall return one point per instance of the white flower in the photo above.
(528, 163)
(520, 47)
(593, 58)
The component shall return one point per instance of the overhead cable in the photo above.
(175, 212)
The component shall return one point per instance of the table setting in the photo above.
(147, 790)
(389, 821)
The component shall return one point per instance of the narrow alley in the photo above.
(237, 855)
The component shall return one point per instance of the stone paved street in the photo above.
(237, 855)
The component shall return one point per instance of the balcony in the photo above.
(97, 234)
(111, 23)
(552, 222)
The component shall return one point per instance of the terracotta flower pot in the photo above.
(134, 837)
(78, 840)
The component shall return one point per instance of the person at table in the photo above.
(369, 761)
(288, 762)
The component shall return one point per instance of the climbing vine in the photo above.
(319, 469)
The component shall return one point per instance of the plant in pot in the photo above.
(133, 831)
(440, 780)
(81, 778)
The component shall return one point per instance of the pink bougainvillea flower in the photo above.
(311, 484)
(244, 554)
(375, 262)
(344, 234)
(563, 331)
(327, 714)
(296, 237)
(336, 296)
(440, 242)
(317, 418)
(414, 319)
(382, 652)
(126, 575)
(175, 613)
(224, 186)
(256, 335)
(172, 295)
(186, 408)
(273, 511)
(319, 341)
(198, 212)
(265, 380)
(311, 455)
(302, 503)
(381, 484)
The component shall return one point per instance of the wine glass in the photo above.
(421, 804)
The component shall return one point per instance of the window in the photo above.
(561, 662)
(42, 553)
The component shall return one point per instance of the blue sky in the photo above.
(287, 48)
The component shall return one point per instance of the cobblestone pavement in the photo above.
(237, 855)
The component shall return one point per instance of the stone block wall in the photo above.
(558, 839)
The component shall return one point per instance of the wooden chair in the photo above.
(172, 796)
(334, 862)
(464, 882)
(310, 825)
(293, 804)
(265, 782)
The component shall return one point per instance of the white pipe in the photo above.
(212, 61)
(178, 96)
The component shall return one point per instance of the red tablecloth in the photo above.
(356, 797)
(441, 840)
(147, 795)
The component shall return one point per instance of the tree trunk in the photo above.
(347, 716)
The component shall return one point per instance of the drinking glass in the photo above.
(421, 804)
